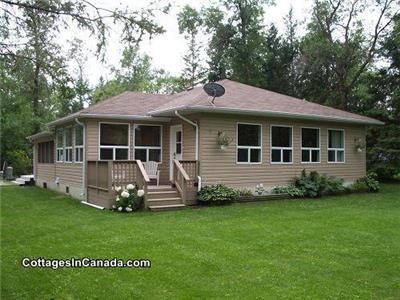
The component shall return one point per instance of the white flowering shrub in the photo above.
(129, 199)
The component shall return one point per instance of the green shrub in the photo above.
(291, 190)
(396, 176)
(359, 186)
(312, 185)
(244, 192)
(217, 194)
(370, 181)
(20, 161)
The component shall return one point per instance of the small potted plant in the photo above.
(223, 140)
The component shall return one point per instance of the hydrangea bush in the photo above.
(129, 199)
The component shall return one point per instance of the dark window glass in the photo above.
(331, 155)
(310, 138)
(78, 135)
(255, 155)
(148, 136)
(315, 155)
(276, 155)
(114, 134)
(305, 155)
(106, 153)
(155, 155)
(178, 149)
(60, 134)
(140, 154)
(340, 156)
(249, 135)
(281, 136)
(121, 154)
(287, 155)
(68, 137)
(336, 139)
(242, 155)
(179, 136)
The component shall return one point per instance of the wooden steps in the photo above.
(164, 198)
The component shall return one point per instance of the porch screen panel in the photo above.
(114, 141)
(148, 143)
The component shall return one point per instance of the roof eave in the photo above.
(39, 135)
(228, 110)
(108, 116)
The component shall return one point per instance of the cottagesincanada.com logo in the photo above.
(85, 262)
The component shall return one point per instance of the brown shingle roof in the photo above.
(244, 97)
(238, 98)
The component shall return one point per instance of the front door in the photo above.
(175, 148)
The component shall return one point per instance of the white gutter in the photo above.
(83, 193)
(92, 205)
(253, 112)
(197, 131)
(196, 126)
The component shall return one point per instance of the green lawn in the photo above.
(345, 247)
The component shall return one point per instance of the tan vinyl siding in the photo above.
(45, 172)
(218, 166)
(69, 173)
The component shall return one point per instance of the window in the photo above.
(310, 145)
(281, 144)
(60, 145)
(335, 145)
(248, 143)
(148, 142)
(114, 141)
(78, 143)
(68, 144)
(46, 152)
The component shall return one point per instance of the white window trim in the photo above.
(336, 149)
(150, 147)
(248, 147)
(114, 147)
(310, 148)
(60, 148)
(280, 148)
(70, 148)
(78, 146)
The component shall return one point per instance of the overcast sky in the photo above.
(167, 49)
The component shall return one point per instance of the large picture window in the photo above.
(114, 141)
(68, 144)
(60, 145)
(335, 145)
(310, 145)
(46, 152)
(248, 143)
(281, 144)
(148, 142)
(78, 143)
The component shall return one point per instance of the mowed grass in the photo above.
(344, 247)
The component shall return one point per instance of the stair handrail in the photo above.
(180, 179)
(143, 180)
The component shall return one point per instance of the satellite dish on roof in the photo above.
(214, 90)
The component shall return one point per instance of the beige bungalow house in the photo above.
(273, 137)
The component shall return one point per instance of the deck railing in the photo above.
(104, 176)
(185, 179)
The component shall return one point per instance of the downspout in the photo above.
(196, 126)
(83, 193)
